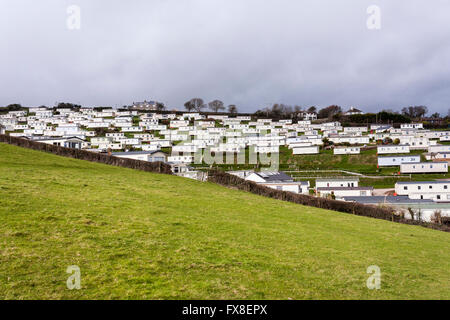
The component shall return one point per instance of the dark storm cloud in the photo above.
(251, 53)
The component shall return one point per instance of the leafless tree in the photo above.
(216, 105)
(232, 108)
(196, 104)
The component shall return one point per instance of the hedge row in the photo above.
(355, 208)
(159, 167)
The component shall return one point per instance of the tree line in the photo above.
(336, 113)
(197, 104)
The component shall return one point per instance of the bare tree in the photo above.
(232, 108)
(188, 106)
(216, 105)
(196, 104)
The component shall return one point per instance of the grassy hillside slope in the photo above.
(141, 235)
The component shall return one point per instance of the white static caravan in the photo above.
(116, 135)
(305, 143)
(132, 129)
(411, 126)
(387, 149)
(416, 143)
(306, 150)
(148, 147)
(162, 143)
(149, 156)
(340, 192)
(180, 159)
(350, 139)
(438, 191)
(347, 150)
(439, 148)
(335, 183)
(355, 129)
(267, 149)
(424, 167)
(393, 161)
(185, 148)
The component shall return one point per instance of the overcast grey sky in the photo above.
(251, 53)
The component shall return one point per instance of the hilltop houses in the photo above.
(184, 139)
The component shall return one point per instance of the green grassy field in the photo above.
(142, 235)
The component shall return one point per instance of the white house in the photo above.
(309, 116)
(279, 181)
(438, 191)
(2, 129)
(347, 150)
(391, 161)
(353, 111)
(424, 167)
(387, 149)
(306, 150)
(439, 148)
